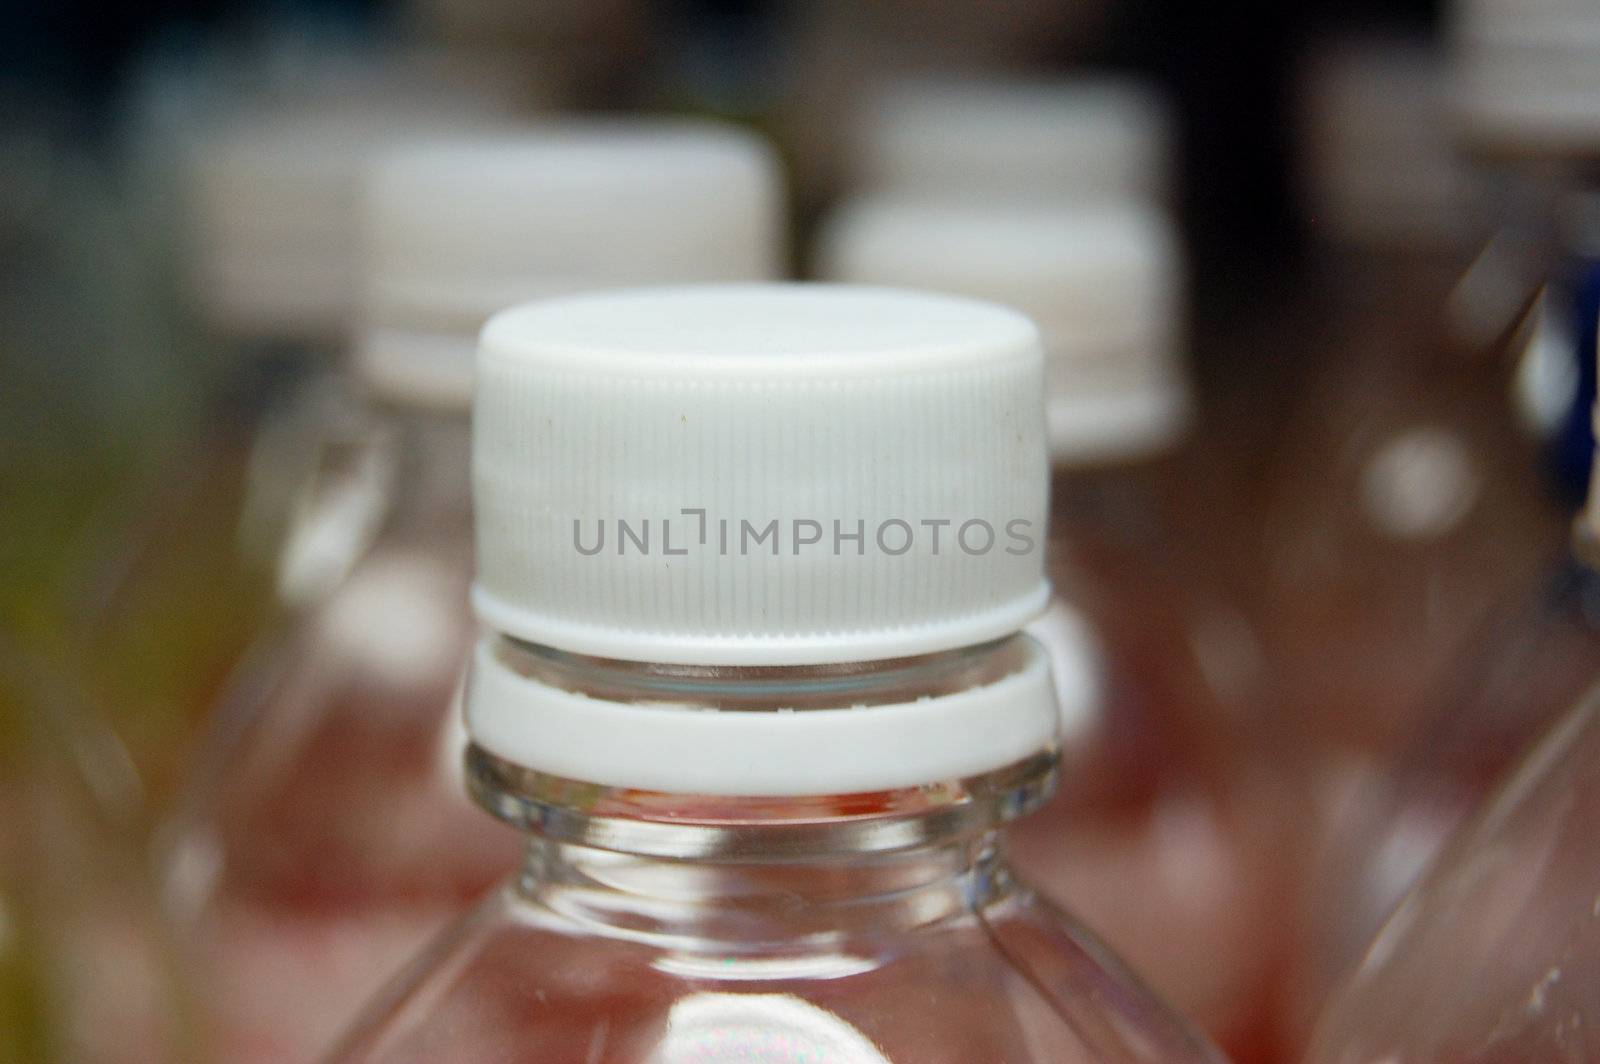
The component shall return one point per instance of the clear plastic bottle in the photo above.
(1402, 508)
(1525, 665)
(1162, 834)
(1529, 647)
(1494, 958)
(291, 864)
(324, 832)
(1536, 654)
(88, 971)
(763, 776)
(1527, 100)
(206, 554)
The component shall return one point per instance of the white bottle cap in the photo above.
(784, 474)
(274, 202)
(1102, 280)
(458, 229)
(1382, 165)
(975, 139)
(1528, 75)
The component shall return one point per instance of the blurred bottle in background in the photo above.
(84, 355)
(778, 843)
(1407, 500)
(1535, 654)
(831, 60)
(1526, 78)
(1527, 84)
(1166, 834)
(1529, 660)
(88, 972)
(263, 502)
(977, 139)
(1528, 645)
(1494, 956)
(324, 833)
(184, 88)
(76, 423)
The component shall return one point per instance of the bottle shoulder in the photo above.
(1495, 955)
(1008, 980)
(332, 772)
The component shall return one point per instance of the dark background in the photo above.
(1228, 67)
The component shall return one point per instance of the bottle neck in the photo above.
(763, 906)
(751, 829)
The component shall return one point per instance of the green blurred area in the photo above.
(108, 571)
(123, 604)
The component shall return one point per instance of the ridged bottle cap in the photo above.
(460, 228)
(1093, 137)
(1103, 281)
(1528, 75)
(759, 474)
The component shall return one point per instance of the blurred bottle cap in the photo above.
(1528, 76)
(1102, 280)
(978, 139)
(459, 228)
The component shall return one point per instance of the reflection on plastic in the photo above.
(1495, 956)
(759, 1029)
(1420, 484)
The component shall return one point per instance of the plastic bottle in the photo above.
(88, 972)
(1536, 653)
(204, 555)
(324, 833)
(1527, 94)
(1156, 834)
(1402, 507)
(1532, 649)
(762, 767)
(1494, 956)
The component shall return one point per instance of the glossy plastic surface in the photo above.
(1495, 957)
(1406, 507)
(1541, 654)
(881, 926)
(928, 956)
(324, 835)
(1171, 830)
